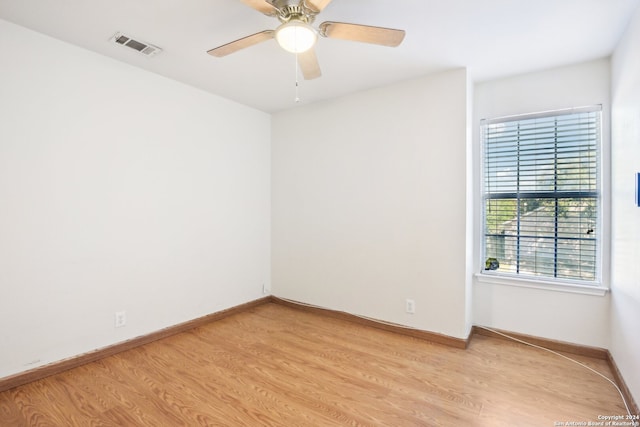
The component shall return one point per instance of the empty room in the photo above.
(319, 213)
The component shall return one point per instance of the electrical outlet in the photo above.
(410, 306)
(121, 319)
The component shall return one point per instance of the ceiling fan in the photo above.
(296, 34)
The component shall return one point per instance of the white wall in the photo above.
(369, 203)
(119, 190)
(625, 283)
(577, 318)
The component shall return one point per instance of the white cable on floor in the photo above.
(381, 322)
(481, 327)
(564, 357)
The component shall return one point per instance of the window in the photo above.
(542, 195)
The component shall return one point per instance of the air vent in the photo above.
(144, 48)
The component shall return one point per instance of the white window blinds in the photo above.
(542, 194)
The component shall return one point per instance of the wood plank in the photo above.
(273, 365)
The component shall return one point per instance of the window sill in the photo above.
(569, 287)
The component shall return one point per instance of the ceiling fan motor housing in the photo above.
(289, 10)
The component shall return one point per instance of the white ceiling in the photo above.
(493, 38)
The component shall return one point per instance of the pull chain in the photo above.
(297, 98)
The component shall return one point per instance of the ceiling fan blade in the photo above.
(362, 33)
(317, 5)
(242, 43)
(308, 62)
(261, 6)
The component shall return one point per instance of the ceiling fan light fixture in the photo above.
(296, 36)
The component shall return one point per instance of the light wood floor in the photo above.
(278, 366)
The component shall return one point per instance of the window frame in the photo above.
(585, 286)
